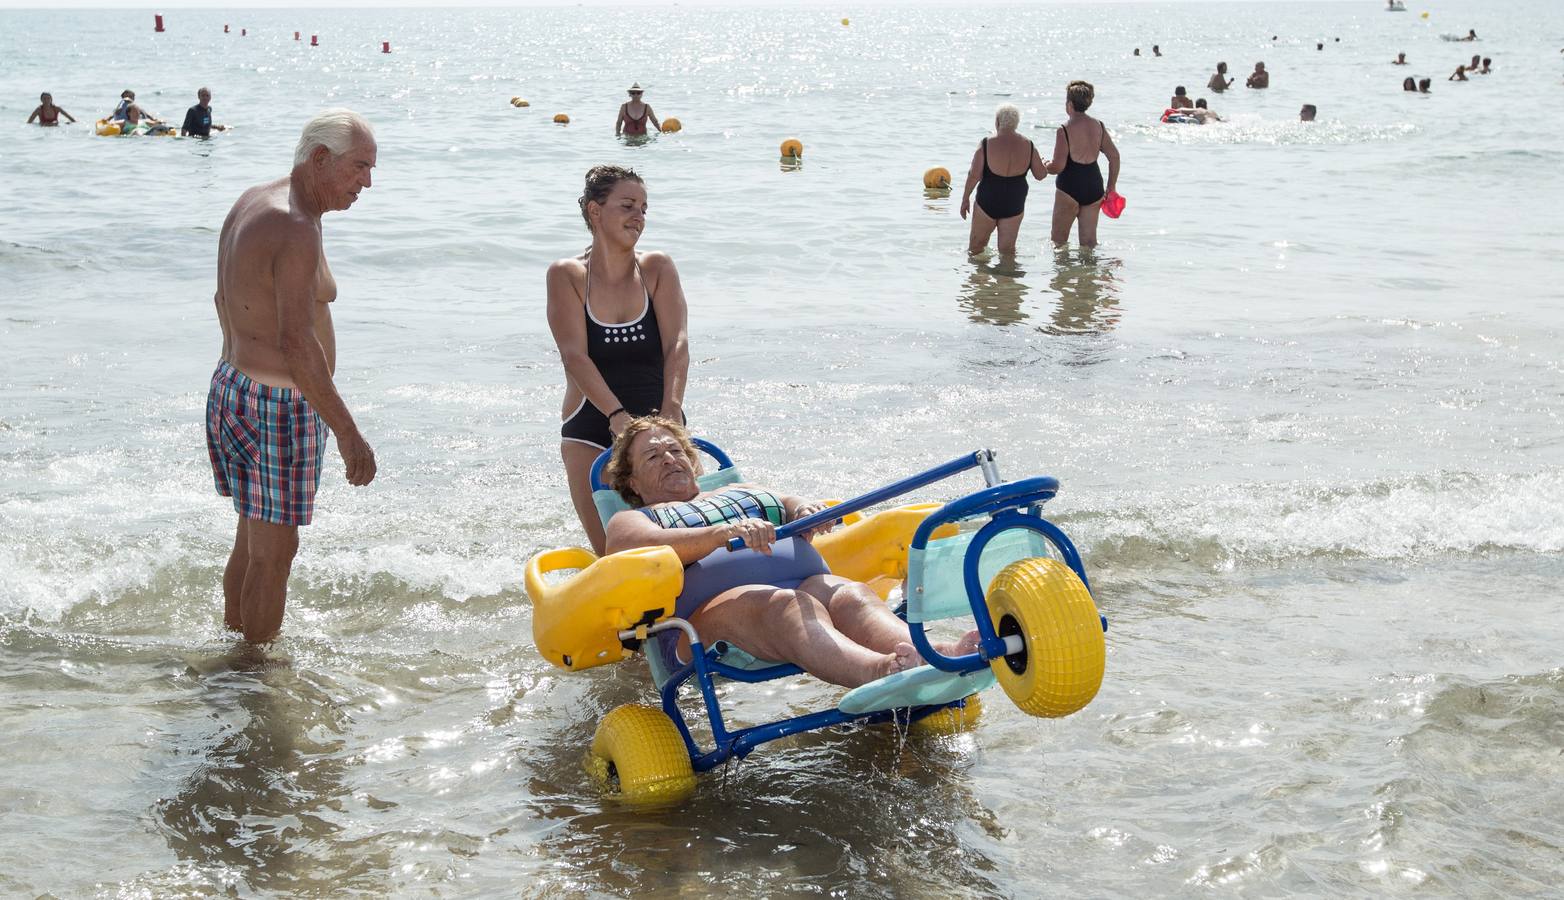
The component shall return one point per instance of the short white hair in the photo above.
(1007, 116)
(333, 129)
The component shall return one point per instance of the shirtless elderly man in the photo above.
(272, 404)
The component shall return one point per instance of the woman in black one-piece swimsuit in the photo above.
(1080, 188)
(618, 318)
(1001, 199)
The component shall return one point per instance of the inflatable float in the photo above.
(1012, 572)
(106, 128)
(1173, 116)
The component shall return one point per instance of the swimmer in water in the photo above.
(1460, 74)
(1203, 113)
(1307, 113)
(1400, 60)
(1219, 81)
(1409, 84)
(1475, 64)
(1181, 99)
(1259, 78)
(1487, 65)
(1155, 50)
(1471, 35)
(1137, 51)
(1424, 84)
(47, 114)
(633, 115)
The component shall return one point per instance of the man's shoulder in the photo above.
(269, 216)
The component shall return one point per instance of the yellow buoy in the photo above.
(1425, 15)
(792, 148)
(937, 177)
(105, 128)
(562, 119)
(518, 102)
(846, 22)
(671, 125)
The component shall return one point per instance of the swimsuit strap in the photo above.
(586, 295)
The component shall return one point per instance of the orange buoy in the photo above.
(671, 124)
(937, 177)
(562, 119)
(792, 148)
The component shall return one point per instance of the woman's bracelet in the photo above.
(616, 412)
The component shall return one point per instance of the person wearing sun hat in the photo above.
(633, 114)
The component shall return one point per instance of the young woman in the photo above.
(618, 318)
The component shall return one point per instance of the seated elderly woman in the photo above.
(775, 599)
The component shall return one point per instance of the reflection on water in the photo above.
(994, 291)
(792, 819)
(265, 807)
(1088, 289)
(1085, 282)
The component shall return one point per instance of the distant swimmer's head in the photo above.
(205, 96)
(1180, 92)
(127, 94)
(1201, 103)
(1307, 113)
(1007, 117)
(1137, 51)
(613, 203)
(1423, 85)
(1409, 84)
(1487, 61)
(1319, 45)
(1221, 68)
(1477, 61)
(337, 153)
(1079, 96)
(653, 461)
(1259, 67)
(1401, 57)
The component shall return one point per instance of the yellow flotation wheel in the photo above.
(562, 119)
(105, 128)
(950, 720)
(639, 757)
(1060, 666)
(670, 125)
(792, 148)
(937, 177)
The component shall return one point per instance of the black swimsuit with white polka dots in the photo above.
(629, 356)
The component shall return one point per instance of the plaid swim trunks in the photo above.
(267, 446)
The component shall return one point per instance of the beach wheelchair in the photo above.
(989, 555)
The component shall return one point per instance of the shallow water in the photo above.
(1304, 399)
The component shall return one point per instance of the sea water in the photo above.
(1304, 400)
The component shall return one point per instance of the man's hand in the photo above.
(359, 457)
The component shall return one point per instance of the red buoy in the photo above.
(159, 20)
(314, 40)
(385, 46)
(295, 35)
(225, 29)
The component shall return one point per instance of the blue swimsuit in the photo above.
(790, 563)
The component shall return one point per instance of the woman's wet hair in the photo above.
(620, 466)
(600, 181)
(1008, 115)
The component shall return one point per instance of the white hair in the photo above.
(1007, 116)
(333, 129)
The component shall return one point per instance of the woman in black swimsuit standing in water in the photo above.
(1080, 188)
(618, 317)
(1001, 199)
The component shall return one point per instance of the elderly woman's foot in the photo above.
(903, 658)
(967, 644)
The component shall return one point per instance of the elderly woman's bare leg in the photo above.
(794, 626)
(858, 612)
(1008, 231)
(982, 228)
